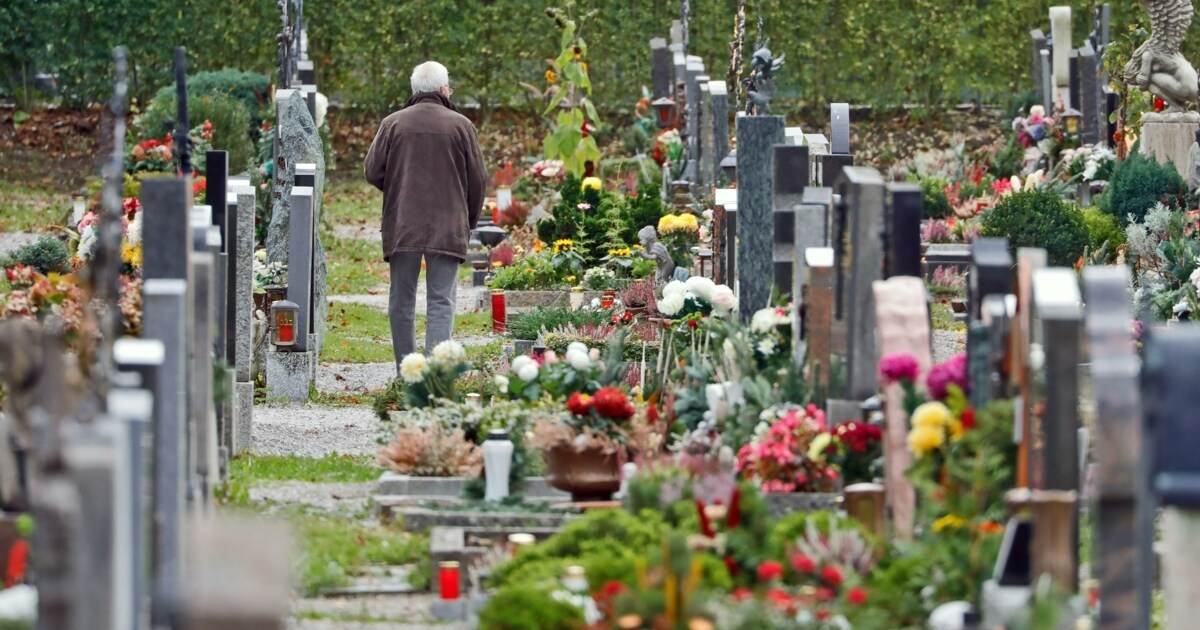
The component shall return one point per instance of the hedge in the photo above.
(861, 51)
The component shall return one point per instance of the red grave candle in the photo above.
(499, 318)
(287, 333)
(448, 580)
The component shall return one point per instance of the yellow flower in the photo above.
(816, 449)
(529, 270)
(551, 78)
(955, 428)
(570, 278)
(678, 223)
(932, 414)
(949, 521)
(563, 245)
(621, 252)
(592, 183)
(925, 440)
(497, 263)
(132, 255)
(584, 64)
(667, 223)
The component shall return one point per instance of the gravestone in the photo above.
(704, 162)
(727, 204)
(859, 263)
(1038, 39)
(204, 467)
(1090, 105)
(832, 166)
(238, 575)
(904, 231)
(660, 68)
(1047, 80)
(1029, 259)
(306, 72)
(811, 230)
(839, 129)
(166, 310)
(817, 312)
(239, 436)
(719, 122)
(901, 310)
(166, 208)
(300, 263)
(790, 178)
(986, 367)
(757, 137)
(297, 142)
(991, 272)
(1060, 33)
(1125, 507)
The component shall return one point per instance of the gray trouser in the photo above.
(441, 287)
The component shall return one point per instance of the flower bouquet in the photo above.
(267, 274)
(679, 233)
(789, 454)
(697, 297)
(429, 379)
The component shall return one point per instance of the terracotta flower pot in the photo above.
(588, 475)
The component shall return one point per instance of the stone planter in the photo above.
(588, 475)
(528, 300)
(784, 503)
(408, 486)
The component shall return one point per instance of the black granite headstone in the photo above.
(991, 272)
(904, 231)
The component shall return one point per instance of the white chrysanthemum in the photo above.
(502, 383)
(767, 346)
(322, 107)
(765, 320)
(261, 255)
(578, 359)
(701, 287)
(673, 287)
(671, 305)
(723, 299)
(449, 351)
(134, 233)
(521, 362)
(413, 368)
(577, 346)
(87, 243)
(528, 372)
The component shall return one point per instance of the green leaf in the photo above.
(591, 111)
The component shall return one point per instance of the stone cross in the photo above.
(790, 179)
(902, 313)
(1060, 33)
(859, 263)
(661, 68)
(757, 137)
(1125, 507)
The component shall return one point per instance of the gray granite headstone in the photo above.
(238, 437)
(811, 229)
(298, 141)
(660, 67)
(134, 407)
(1057, 316)
(166, 210)
(311, 175)
(719, 121)
(300, 263)
(1037, 38)
(859, 264)
(203, 442)
(1089, 94)
(757, 137)
(704, 161)
(839, 128)
(166, 310)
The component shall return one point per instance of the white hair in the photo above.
(430, 76)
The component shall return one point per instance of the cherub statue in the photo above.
(1157, 66)
(653, 250)
(760, 87)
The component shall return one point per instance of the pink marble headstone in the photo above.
(902, 319)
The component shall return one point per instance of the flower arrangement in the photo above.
(550, 171)
(1035, 127)
(679, 233)
(268, 274)
(431, 451)
(157, 155)
(857, 450)
(668, 147)
(430, 379)
(697, 297)
(598, 278)
(789, 455)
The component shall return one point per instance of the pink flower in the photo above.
(899, 366)
(953, 371)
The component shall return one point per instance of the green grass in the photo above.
(357, 334)
(485, 354)
(29, 209)
(943, 318)
(334, 548)
(253, 469)
(352, 201)
(355, 266)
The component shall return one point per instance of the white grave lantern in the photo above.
(497, 462)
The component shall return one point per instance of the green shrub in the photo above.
(1137, 183)
(529, 325)
(229, 117)
(528, 608)
(1103, 228)
(1007, 161)
(1039, 218)
(792, 527)
(933, 195)
(46, 255)
(250, 88)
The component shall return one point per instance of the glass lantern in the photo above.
(664, 112)
(1072, 122)
(283, 324)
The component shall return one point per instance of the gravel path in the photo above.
(346, 499)
(408, 612)
(947, 343)
(308, 430)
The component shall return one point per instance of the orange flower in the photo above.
(551, 78)
(538, 245)
(990, 527)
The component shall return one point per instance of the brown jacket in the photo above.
(427, 161)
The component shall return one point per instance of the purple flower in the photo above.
(899, 366)
(952, 371)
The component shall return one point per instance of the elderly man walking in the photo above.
(426, 160)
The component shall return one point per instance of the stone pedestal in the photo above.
(1169, 138)
(757, 137)
(289, 374)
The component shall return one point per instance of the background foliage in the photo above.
(861, 51)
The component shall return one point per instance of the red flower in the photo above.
(18, 559)
(208, 125)
(734, 516)
(693, 324)
(832, 575)
(611, 402)
(131, 205)
(741, 594)
(968, 418)
(705, 524)
(149, 144)
(780, 599)
(769, 570)
(825, 594)
(731, 565)
(612, 588)
(652, 415)
(857, 596)
(803, 564)
(579, 404)
(821, 614)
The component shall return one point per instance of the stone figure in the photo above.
(653, 250)
(1157, 66)
(761, 84)
(1193, 170)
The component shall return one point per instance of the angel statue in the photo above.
(760, 86)
(1157, 66)
(656, 251)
